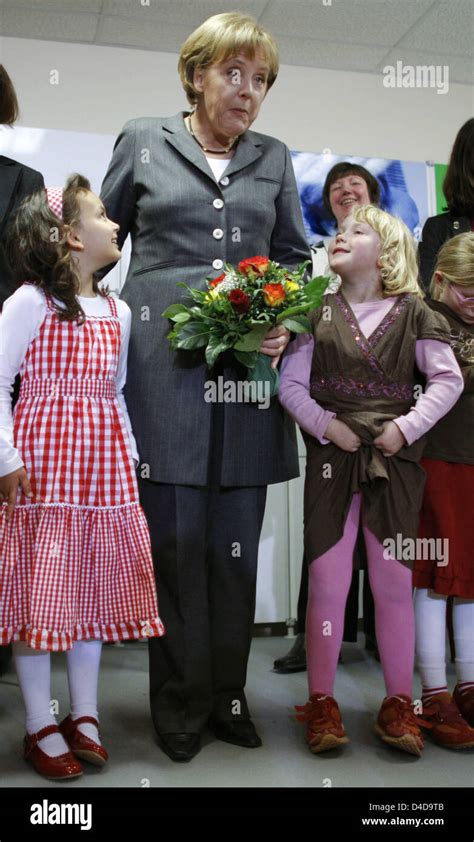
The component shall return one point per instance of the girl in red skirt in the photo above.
(447, 515)
(75, 557)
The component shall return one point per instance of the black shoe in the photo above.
(295, 659)
(180, 747)
(240, 733)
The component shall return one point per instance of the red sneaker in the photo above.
(398, 725)
(324, 729)
(464, 699)
(448, 728)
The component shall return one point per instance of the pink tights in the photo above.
(391, 584)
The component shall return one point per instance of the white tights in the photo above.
(430, 611)
(33, 668)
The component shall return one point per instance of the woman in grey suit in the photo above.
(195, 191)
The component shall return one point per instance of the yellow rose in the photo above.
(212, 295)
(291, 286)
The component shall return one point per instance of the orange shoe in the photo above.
(464, 699)
(398, 725)
(448, 728)
(325, 729)
(81, 745)
(60, 768)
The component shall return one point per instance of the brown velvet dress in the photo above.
(365, 381)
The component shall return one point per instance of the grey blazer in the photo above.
(184, 226)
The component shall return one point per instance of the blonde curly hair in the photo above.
(398, 264)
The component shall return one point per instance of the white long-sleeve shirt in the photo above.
(20, 321)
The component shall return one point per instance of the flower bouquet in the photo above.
(239, 307)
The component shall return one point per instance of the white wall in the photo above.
(310, 109)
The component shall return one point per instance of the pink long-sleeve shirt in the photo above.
(434, 358)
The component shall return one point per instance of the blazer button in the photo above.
(217, 263)
(218, 233)
(218, 203)
(224, 180)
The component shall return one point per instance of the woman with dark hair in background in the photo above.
(458, 188)
(16, 182)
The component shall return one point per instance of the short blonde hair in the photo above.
(398, 264)
(455, 262)
(220, 37)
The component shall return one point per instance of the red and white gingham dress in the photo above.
(76, 563)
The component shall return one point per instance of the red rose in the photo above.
(258, 264)
(274, 294)
(240, 300)
(216, 281)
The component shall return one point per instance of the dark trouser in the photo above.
(205, 547)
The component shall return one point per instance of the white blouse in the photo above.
(218, 165)
(21, 318)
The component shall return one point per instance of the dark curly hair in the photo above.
(458, 185)
(38, 250)
(8, 100)
(346, 168)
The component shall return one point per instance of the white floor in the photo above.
(283, 761)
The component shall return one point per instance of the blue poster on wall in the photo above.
(403, 190)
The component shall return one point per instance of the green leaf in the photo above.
(196, 294)
(191, 335)
(316, 286)
(173, 310)
(248, 359)
(181, 318)
(215, 347)
(214, 351)
(296, 310)
(190, 343)
(252, 340)
(301, 325)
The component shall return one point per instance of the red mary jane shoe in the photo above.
(56, 768)
(80, 745)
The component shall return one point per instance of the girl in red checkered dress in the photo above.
(75, 557)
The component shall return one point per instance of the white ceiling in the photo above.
(357, 35)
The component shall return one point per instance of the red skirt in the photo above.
(446, 513)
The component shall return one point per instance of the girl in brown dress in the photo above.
(352, 387)
(446, 515)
